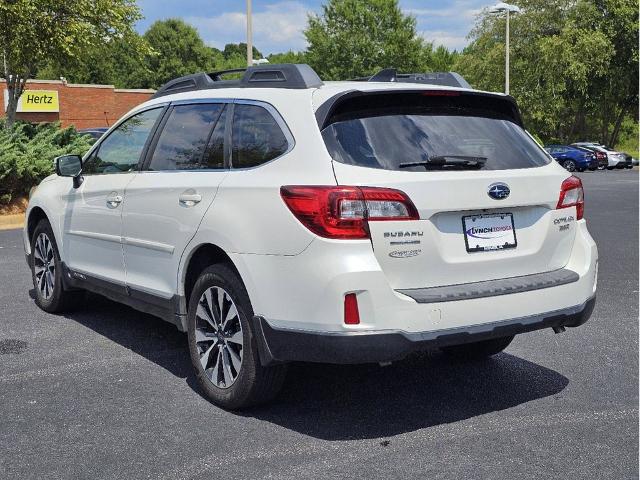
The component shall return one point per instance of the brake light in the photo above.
(344, 212)
(351, 313)
(572, 195)
(440, 93)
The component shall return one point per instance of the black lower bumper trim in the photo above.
(280, 345)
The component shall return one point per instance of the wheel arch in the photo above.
(35, 215)
(201, 257)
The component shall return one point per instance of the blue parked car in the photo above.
(573, 158)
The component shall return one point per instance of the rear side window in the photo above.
(184, 138)
(421, 129)
(256, 136)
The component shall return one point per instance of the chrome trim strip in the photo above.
(160, 247)
(96, 236)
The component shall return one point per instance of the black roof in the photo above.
(286, 75)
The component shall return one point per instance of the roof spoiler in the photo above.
(286, 75)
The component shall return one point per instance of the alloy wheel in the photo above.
(44, 265)
(218, 336)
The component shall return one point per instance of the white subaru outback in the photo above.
(277, 218)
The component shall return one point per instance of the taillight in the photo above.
(343, 212)
(572, 195)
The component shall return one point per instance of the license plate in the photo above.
(495, 231)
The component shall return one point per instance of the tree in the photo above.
(288, 57)
(179, 50)
(443, 60)
(117, 62)
(239, 49)
(574, 65)
(353, 38)
(33, 32)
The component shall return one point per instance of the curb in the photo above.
(11, 222)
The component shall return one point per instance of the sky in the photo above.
(278, 24)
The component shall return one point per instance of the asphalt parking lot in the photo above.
(108, 393)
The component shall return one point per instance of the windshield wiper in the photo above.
(448, 161)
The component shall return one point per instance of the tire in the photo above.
(236, 346)
(46, 273)
(570, 165)
(477, 350)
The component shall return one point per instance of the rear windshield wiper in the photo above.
(448, 161)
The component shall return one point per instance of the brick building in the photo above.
(84, 106)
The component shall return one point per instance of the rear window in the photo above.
(422, 129)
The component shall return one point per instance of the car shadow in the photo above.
(334, 402)
(339, 402)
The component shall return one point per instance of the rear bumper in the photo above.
(276, 345)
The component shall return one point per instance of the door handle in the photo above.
(114, 200)
(190, 199)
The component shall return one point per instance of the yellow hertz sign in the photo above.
(37, 101)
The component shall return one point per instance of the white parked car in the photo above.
(614, 159)
(278, 218)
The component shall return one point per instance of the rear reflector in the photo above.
(351, 313)
(344, 212)
(572, 195)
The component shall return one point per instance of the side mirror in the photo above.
(70, 166)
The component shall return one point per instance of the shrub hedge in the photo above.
(27, 152)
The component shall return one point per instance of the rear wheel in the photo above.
(46, 272)
(222, 343)
(570, 165)
(478, 350)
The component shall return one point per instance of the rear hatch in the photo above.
(486, 193)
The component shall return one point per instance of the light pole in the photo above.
(249, 35)
(508, 9)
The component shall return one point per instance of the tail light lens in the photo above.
(572, 195)
(344, 212)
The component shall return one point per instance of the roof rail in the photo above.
(447, 79)
(286, 75)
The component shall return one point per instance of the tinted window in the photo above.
(257, 137)
(183, 140)
(391, 136)
(120, 151)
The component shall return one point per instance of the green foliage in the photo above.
(574, 65)
(27, 152)
(179, 51)
(629, 141)
(353, 38)
(239, 50)
(118, 62)
(35, 32)
(288, 57)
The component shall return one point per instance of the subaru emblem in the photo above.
(498, 191)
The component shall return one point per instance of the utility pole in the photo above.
(249, 35)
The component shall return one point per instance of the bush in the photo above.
(27, 152)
